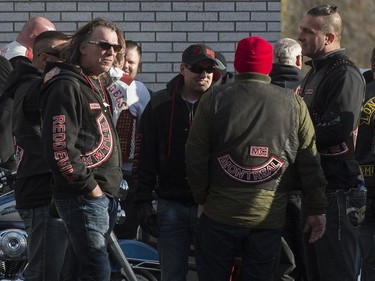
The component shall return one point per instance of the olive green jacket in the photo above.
(246, 140)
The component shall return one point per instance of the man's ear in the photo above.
(82, 48)
(182, 69)
(299, 61)
(330, 37)
(43, 58)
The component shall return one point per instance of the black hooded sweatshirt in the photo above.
(286, 76)
(80, 142)
(32, 187)
(6, 140)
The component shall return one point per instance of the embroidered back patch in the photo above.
(259, 151)
(251, 175)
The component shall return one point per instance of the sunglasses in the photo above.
(198, 69)
(106, 46)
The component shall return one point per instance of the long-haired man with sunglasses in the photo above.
(81, 145)
(160, 164)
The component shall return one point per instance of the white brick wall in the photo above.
(163, 28)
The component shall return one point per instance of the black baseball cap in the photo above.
(197, 53)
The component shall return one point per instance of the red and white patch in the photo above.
(259, 151)
(335, 150)
(251, 175)
(94, 105)
(19, 155)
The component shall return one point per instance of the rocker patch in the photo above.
(367, 112)
(104, 149)
(251, 175)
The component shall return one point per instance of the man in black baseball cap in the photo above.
(196, 53)
(164, 127)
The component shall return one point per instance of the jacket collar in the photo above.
(320, 62)
(252, 77)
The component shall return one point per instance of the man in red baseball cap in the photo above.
(243, 139)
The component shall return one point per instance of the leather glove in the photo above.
(148, 219)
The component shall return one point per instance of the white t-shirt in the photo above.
(15, 49)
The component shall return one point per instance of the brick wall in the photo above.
(163, 28)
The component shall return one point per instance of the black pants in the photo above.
(217, 245)
(292, 265)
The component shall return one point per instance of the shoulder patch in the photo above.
(52, 73)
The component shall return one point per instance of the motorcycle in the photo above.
(131, 260)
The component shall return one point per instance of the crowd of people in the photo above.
(266, 172)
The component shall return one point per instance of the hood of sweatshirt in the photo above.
(22, 71)
(286, 76)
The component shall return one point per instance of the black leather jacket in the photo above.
(365, 147)
(334, 91)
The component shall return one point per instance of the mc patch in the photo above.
(259, 151)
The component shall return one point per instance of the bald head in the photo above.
(31, 29)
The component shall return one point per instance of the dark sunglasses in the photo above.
(106, 46)
(198, 69)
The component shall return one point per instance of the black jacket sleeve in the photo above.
(62, 118)
(344, 91)
(146, 158)
(6, 105)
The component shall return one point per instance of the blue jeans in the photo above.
(89, 222)
(217, 245)
(332, 258)
(367, 242)
(46, 244)
(176, 228)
